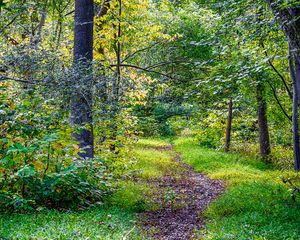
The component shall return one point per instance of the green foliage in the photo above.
(211, 131)
(157, 120)
(180, 62)
(148, 126)
(38, 160)
(81, 184)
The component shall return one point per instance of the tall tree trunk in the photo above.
(264, 140)
(295, 116)
(116, 81)
(289, 18)
(228, 127)
(81, 102)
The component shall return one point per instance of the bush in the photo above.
(39, 164)
(79, 185)
(212, 131)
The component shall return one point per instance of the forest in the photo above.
(150, 119)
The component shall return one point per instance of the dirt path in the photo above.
(183, 198)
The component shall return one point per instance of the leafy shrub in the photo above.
(39, 165)
(80, 184)
(158, 120)
(148, 126)
(14, 201)
(212, 131)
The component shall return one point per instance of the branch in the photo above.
(105, 5)
(143, 69)
(11, 22)
(165, 63)
(140, 50)
(4, 78)
(277, 72)
(69, 13)
(277, 100)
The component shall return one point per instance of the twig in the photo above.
(127, 234)
(4, 78)
(143, 69)
(279, 103)
(137, 51)
(277, 72)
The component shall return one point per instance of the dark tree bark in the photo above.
(264, 140)
(81, 102)
(289, 19)
(295, 116)
(228, 127)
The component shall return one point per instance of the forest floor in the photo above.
(183, 196)
(169, 199)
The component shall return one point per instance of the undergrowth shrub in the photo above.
(79, 185)
(211, 131)
(161, 119)
(39, 164)
(148, 126)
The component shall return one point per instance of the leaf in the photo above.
(58, 146)
(76, 147)
(11, 106)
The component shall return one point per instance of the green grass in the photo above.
(97, 223)
(153, 162)
(115, 220)
(255, 205)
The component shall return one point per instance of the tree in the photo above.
(289, 18)
(264, 140)
(81, 101)
(229, 124)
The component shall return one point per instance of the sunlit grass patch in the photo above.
(211, 161)
(153, 160)
(254, 211)
(135, 196)
(151, 142)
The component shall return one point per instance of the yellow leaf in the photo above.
(76, 147)
(58, 146)
(11, 105)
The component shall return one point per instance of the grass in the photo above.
(255, 205)
(115, 220)
(97, 223)
(153, 162)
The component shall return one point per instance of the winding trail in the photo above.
(183, 198)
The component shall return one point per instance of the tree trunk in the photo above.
(289, 18)
(81, 102)
(264, 140)
(295, 116)
(229, 123)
